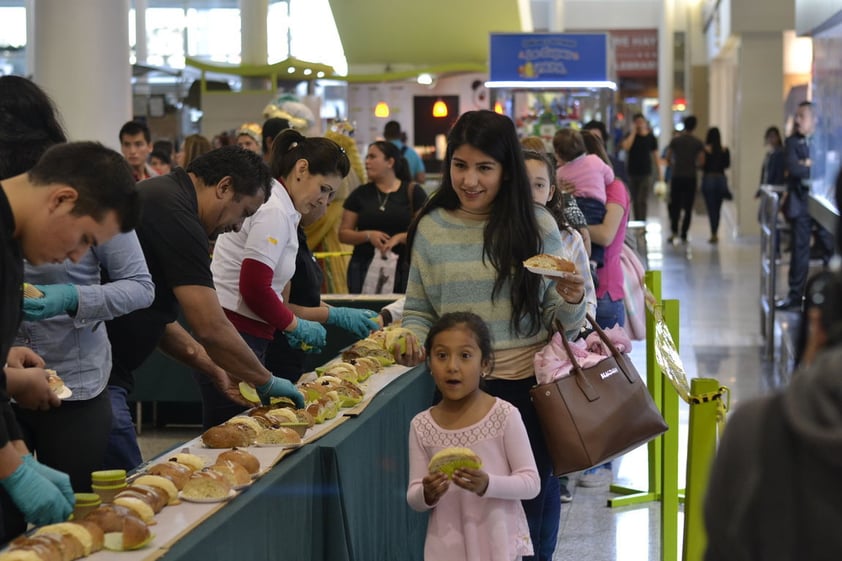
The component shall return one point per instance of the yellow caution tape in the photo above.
(666, 355)
(326, 254)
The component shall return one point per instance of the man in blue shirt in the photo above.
(392, 133)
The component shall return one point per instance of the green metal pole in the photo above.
(655, 384)
(701, 447)
(669, 451)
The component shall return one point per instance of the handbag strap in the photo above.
(618, 356)
(581, 381)
(410, 191)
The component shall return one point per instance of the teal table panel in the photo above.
(369, 461)
(161, 378)
(280, 517)
(342, 498)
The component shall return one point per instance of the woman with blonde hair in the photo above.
(194, 146)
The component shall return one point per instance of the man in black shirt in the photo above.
(77, 196)
(641, 148)
(685, 155)
(182, 211)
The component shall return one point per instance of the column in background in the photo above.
(82, 60)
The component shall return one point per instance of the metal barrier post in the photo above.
(701, 447)
(655, 384)
(669, 451)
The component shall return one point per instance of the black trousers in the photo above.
(802, 226)
(71, 438)
(682, 196)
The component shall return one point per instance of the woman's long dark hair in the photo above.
(392, 152)
(324, 156)
(555, 204)
(29, 125)
(511, 234)
(714, 140)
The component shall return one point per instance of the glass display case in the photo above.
(827, 141)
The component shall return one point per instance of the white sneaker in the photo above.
(595, 477)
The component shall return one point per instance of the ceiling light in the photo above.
(425, 79)
(308, 71)
(381, 109)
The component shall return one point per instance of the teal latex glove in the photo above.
(40, 501)
(356, 320)
(308, 336)
(57, 299)
(279, 387)
(58, 478)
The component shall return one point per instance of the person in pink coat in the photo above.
(475, 514)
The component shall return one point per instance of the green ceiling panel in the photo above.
(422, 32)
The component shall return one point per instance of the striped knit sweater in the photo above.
(448, 275)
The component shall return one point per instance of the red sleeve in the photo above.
(256, 288)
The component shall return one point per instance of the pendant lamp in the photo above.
(439, 109)
(381, 109)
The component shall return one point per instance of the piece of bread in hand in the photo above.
(551, 262)
(450, 459)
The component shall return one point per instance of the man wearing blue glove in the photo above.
(64, 326)
(47, 220)
(181, 212)
(55, 299)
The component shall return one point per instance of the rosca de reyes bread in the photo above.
(551, 262)
(206, 484)
(245, 459)
(175, 472)
(227, 436)
(450, 459)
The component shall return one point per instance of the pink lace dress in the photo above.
(464, 526)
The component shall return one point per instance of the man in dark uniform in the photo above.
(798, 171)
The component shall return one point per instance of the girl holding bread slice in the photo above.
(468, 245)
(470, 462)
(539, 168)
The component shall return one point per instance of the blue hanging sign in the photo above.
(535, 60)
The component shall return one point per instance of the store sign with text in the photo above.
(544, 57)
(635, 52)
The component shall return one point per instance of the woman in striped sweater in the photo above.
(467, 248)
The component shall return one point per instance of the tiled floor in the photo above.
(718, 287)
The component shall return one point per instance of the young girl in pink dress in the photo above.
(477, 514)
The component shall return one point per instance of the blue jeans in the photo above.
(610, 312)
(216, 407)
(543, 513)
(594, 212)
(122, 451)
(714, 190)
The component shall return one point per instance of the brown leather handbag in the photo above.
(596, 413)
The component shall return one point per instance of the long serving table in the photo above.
(340, 498)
